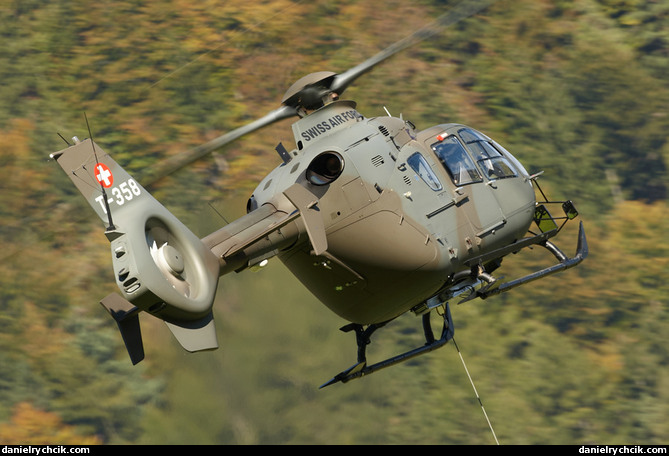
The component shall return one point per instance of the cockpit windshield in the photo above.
(490, 160)
(456, 160)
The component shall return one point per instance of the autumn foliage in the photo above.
(577, 89)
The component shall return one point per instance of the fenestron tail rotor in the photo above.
(168, 256)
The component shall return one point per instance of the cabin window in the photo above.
(456, 160)
(422, 168)
(491, 161)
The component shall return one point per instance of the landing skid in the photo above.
(363, 335)
(564, 262)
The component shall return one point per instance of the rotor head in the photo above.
(310, 91)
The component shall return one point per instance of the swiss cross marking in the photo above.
(103, 175)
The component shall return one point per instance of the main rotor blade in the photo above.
(463, 10)
(179, 161)
(460, 12)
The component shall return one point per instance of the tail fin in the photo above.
(160, 266)
(127, 319)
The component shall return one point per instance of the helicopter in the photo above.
(374, 216)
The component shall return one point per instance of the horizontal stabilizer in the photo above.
(126, 316)
(196, 335)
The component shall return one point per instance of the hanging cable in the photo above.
(476, 392)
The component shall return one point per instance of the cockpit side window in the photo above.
(456, 160)
(490, 160)
(422, 168)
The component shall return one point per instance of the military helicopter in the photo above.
(375, 217)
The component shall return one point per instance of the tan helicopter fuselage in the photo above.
(399, 222)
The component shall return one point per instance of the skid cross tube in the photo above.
(363, 339)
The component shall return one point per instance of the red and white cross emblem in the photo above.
(103, 175)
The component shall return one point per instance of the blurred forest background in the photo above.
(576, 88)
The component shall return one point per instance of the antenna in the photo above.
(66, 141)
(217, 212)
(111, 226)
